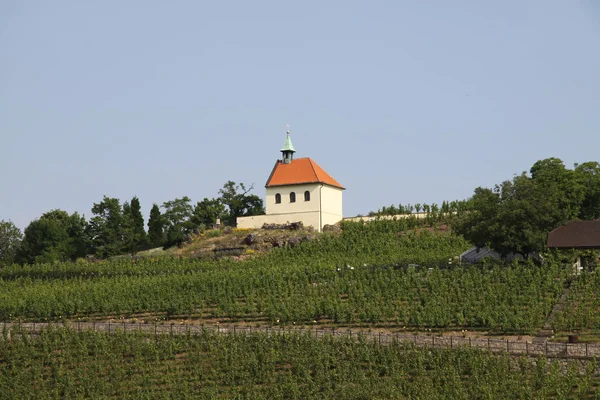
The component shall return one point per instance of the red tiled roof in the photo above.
(300, 170)
(576, 234)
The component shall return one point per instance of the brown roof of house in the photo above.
(576, 234)
(299, 171)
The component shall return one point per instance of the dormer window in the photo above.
(307, 196)
(292, 197)
(277, 198)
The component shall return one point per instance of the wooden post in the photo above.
(451, 345)
(586, 350)
(526, 347)
(507, 349)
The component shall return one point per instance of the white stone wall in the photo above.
(257, 221)
(323, 198)
(285, 207)
(331, 205)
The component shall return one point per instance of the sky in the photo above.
(400, 101)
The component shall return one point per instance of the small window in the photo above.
(292, 197)
(277, 198)
(307, 196)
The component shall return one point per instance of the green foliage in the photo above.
(207, 211)
(107, 229)
(239, 203)
(137, 223)
(321, 279)
(588, 176)
(10, 241)
(67, 364)
(55, 236)
(177, 217)
(135, 235)
(156, 224)
(580, 312)
(517, 215)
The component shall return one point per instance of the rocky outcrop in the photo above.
(292, 226)
(332, 228)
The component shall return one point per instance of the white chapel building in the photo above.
(298, 190)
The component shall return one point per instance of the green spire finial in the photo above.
(288, 146)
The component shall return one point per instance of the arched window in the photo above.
(277, 198)
(307, 196)
(292, 197)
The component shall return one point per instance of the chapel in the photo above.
(298, 189)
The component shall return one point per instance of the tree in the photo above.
(239, 203)
(107, 229)
(138, 221)
(10, 241)
(207, 211)
(55, 236)
(516, 216)
(177, 218)
(156, 236)
(588, 176)
(135, 235)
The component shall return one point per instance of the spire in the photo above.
(288, 148)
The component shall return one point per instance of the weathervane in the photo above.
(287, 128)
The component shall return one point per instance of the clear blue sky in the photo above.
(400, 101)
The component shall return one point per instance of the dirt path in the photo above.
(547, 331)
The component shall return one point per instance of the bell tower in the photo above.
(288, 149)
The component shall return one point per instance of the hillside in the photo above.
(236, 242)
(380, 276)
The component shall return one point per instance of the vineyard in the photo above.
(60, 363)
(368, 275)
(582, 306)
(388, 275)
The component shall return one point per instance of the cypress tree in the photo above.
(155, 227)
(137, 221)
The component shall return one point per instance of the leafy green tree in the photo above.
(107, 229)
(55, 236)
(517, 215)
(177, 217)
(239, 203)
(561, 184)
(207, 211)
(156, 224)
(588, 176)
(10, 241)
